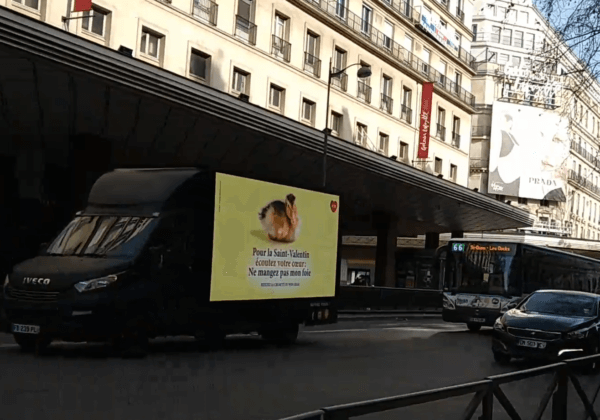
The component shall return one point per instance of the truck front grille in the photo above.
(32, 295)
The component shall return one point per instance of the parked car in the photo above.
(549, 324)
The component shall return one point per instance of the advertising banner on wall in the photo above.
(426, 101)
(272, 241)
(529, 148)
(432, 25)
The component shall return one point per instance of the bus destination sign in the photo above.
(462, 247)
(490, 248)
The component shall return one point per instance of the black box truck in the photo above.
(168, 252)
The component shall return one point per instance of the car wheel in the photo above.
(473, 327)
(502, 358)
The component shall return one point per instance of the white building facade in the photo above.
(526, 81)
(276, 55)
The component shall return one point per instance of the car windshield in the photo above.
(102, 236)
(562, 304)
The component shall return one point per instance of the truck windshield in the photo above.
(483, 268)
(110, 236)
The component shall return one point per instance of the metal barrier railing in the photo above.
(486, 391)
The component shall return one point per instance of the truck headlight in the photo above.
(99, 283)
(447, 303)
(582, 333)
(499, 325)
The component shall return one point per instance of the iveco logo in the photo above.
(36, 280)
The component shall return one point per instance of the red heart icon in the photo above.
(334, 206)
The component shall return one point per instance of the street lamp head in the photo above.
(364, 72)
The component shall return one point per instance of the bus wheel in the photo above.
(473, 327)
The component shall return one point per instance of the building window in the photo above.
(525, 17)
(443, 24)
(386, 95)
(503, 58)
(241, 81)
(364, 88)
(516, 61)
(529, 41)
(441, 124)
(453, 172)
(474, 29)
(426, 60)
(361, 134)
(522, 200)
(496, 34)
(403, 151)
(340, 8)
(339, 64)
(501, 12)
(276, 97)
(367, 15)
(151, 43)
(308, 111)
(199, 64)
(384, 141)
(408, 43)
(438, 165)
(456, 132)
(95, 21)
(34, 4)
(244, 21)
(336, 123)
(388, 34)
(506, 36)
(281, 46)
(500, 197)
(311, 54)
(406, 112)
(518, 39)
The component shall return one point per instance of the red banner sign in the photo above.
(425, 118)
(83, 5)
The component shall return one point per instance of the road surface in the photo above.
(253, 380)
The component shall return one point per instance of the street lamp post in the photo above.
(362, 73)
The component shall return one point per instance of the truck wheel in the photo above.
(28, 344)
(473, 327)
(135, 344)
(283, 335)
(213, 339)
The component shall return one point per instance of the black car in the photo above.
(551, 325)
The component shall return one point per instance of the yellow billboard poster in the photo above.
(272, 241)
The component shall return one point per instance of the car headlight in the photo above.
(582, 333)
(94, 284)
(499, 325)
(5, 281)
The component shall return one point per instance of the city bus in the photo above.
(482, 279)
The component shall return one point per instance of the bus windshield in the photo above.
(486, 268)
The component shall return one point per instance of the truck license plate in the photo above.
(25, 329)
(482, 320)
(532, 344)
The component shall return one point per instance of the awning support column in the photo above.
(385, 259)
